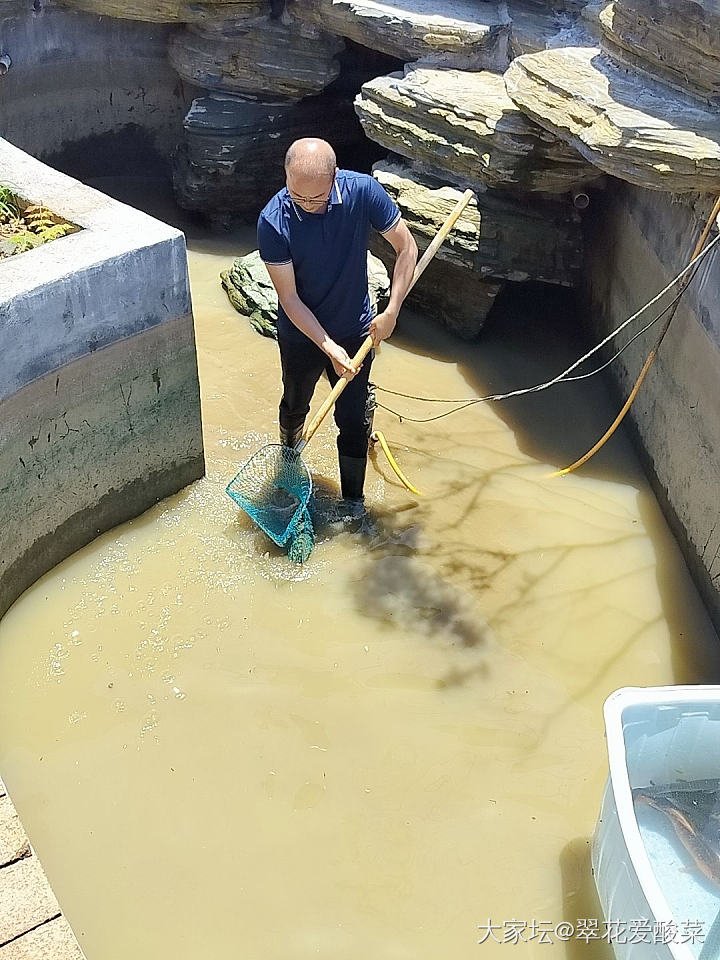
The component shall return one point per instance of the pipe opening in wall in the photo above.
(5, 64)
(580, 199)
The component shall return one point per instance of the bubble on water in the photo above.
(178, 693)
(150, 722)
(76, 716)
(120, 705)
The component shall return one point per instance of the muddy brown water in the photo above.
(218, 754)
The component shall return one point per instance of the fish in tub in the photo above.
(656, 846)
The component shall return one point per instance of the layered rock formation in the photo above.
(497, 236)
(463, 33)
(465, 125)
(677, 40)
(257, 57)
(448, 290)
(231, 161)
(169, 11)
(629, 125)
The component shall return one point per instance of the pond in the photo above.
(218, 753)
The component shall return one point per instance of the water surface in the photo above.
(216, 753)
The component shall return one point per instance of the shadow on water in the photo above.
(581, 906)
(532, 334)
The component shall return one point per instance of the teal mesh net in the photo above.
(274, 489)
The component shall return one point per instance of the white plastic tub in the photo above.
(655, 735)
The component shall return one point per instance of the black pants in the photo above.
(302, 366)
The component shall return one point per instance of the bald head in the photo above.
(310, 157)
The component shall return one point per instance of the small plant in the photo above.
(9, 209)
(24, 225)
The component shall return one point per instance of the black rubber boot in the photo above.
(276, 8)
(291, 438)
(352, 477)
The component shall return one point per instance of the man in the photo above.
(313, 237)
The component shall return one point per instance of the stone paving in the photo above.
(32, 926)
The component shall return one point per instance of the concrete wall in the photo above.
(638, 240)
(92, 88)
(99, 394)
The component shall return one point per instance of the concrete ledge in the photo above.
(99, 395)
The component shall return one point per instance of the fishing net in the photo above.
(274, 489)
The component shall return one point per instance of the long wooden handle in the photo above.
(366, 347)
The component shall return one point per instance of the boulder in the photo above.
(258, 57)
(230, 161)
(463, 33)
(497, 236)
(629, 125)
(677, 41)
(169, 11)
(464, 125)
(251, 292)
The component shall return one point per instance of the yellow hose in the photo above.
(380, 437)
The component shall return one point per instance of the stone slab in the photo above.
(497, 236)
(628, 125)
(168, 11)
(259, 57)
(470, 34)
(53, 940)
(26, 898)
(676, 40)
(465, 126)
(13, 842)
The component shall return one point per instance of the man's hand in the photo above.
(382, 326)
(342, 363)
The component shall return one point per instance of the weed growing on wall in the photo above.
(25, 225)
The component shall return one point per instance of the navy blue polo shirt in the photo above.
(328, 251)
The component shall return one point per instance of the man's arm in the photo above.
(283, 279)
(406, 254)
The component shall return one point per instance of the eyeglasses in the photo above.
(314, 201)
